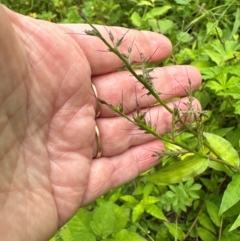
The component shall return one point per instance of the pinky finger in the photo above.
(110, 172)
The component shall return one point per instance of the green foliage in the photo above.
(193, 194)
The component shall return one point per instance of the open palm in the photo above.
(47, 121)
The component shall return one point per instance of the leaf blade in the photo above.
(180, 171)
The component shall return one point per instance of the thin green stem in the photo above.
(150, 88)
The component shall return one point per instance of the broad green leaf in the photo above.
(231, 195)
(103, 220)
(125, 235)
(85, 237)
(212, 72)
(223, 148)
(65, 233)
(162, 233)
(156, 212)
(165, 25)
(122, 215)
(230, 47)
(80, 222)
(180, 171)
(206, 235)
(157, 11)
(136, 19)
(236, 105)
(222, 78)
(206, 222)
(214, 56)
(213, 212)
(184, 37)
(215, 86)
(175, 231)
(233, 91)
(153, 23)
(236, 224)
(138, 210)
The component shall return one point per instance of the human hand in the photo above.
(47, 120)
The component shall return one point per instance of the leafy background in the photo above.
(205, 207)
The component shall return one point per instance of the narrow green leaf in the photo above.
(236, 23)
(206, 235)
(138, 210)
(221, 168)
(231, 195)
(224, 148)
(189, 167)
(156, 212)
(206, 222)
(213, 212)
(236, 224)
(233, 211)
(230, 236)
(210, 184)
(183, 2)
(103, 220)
(144, 3)
(148, 189)
(215, 86)
(150, 200)
(129, 199)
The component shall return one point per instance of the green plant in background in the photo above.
(194, 193)
(207, 150)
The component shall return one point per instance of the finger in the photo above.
(122, 88)
(118, 134)
(149, 44)
(108, 173)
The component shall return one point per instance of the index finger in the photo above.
(143, 43)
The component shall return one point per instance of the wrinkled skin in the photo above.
(47, 120)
